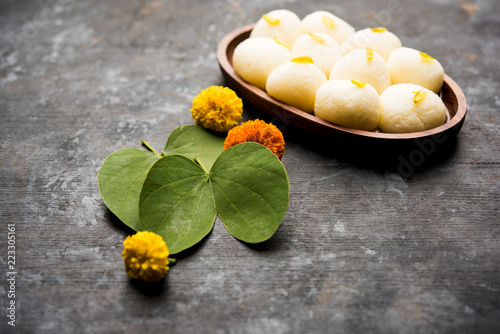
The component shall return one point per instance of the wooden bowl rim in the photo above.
(226, 66)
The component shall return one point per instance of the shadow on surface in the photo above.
(150, 289)
(402, 157)
(116, 223)
(193, 249)
(271, 245)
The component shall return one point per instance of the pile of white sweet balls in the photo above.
(362, 80)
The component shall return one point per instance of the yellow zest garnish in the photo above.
(316, 37)
(359, 83)
(328, 21)
(369, 53)
(281, 43)
(426, 57)
(419, 95)
(270, 20)
(379, 29)
(302, 60)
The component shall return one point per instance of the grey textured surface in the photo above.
(361, 249)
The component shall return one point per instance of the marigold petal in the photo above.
(145, 255)
(260, 132)
(217, 108)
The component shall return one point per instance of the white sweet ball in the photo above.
(410, 108)
(327, 23)
(380, 40)
(255, 58)
(408, 65)
(363, 65)
(295, 83)
(281, 24)
(351, 104)
(322, 48)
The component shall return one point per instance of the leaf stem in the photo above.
(197, 160)
(171, 261)
(145, 143)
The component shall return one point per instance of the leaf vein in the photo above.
(253, 191)
(166, 185)
(280, 175)
(192, 217)
(248, 221)
(177, 203)
(119, 170)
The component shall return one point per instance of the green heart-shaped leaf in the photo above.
(247, 187)
(251, 191)
(176, 202)
(191, 141)
(122, 174)
(120, 182)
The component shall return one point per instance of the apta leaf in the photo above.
(251, 191)
(176, 202)
(191, 141)
(247, 187)
(120, 182)
(123, 173)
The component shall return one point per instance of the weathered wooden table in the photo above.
(362, 249)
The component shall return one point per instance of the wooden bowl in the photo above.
(451, 94)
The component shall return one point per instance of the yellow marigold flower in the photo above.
(260, 132)
(146, 256)
(217, 108)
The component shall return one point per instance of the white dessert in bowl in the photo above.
(410, 108)
(281, 24)
(378, 39)
(408, 65)
(322, 48)
(255, 58)
(325, 22)
(295, 83)
(363, 65)
(352, 104)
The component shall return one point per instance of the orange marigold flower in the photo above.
(217, 108)
(260, 132)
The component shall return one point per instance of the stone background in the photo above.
(361, 250)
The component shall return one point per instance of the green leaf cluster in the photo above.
(178, 193)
